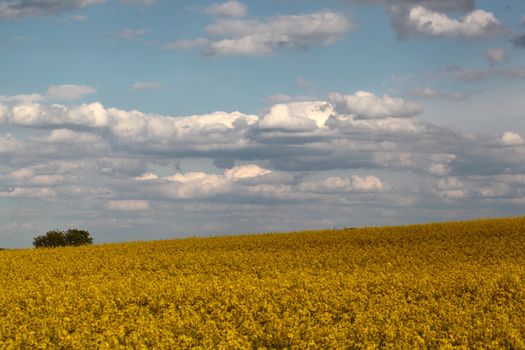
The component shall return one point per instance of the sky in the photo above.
(157, 119)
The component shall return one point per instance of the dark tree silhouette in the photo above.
(57, 238)
(75, 237)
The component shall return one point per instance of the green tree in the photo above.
(75, 237)
(58, 238)
(55, 238)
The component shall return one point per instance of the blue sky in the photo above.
(181, 118)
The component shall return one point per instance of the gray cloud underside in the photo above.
(364, 132)
(446, 6)
(29, 8)
(16, 9)
(519, 41)
(357, 153)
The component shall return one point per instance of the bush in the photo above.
(57, 238)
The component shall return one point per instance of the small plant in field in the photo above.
(58, 238)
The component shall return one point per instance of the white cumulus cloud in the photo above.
(510, 138)
(477, 23)
(364, 104)
(296, 116)
(245, 172)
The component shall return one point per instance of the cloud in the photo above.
(346, 132)
(227, 9)
(58, 116)
(338, 184)
(146, 177)
(8, 144)
(430, 93)
(30, 8)
(128, 205)
(367, 105)
(145, 3)
(280, 98)
(446, 6)
(430, 23)
(519, 41)
(482, 74)
(425, 92)
(451, 189)
(329, 162)
(496, 56)
(66, 136)
(511, 139)
(186, 44)
(132, 34)
(191, 132)
(28, 193)
(54, 92)
(142, 85)
(299, 31)
(25, 99)
(439, 18)
(78, 18)
(296, 116)
(251, 37)
(69, 92)
(245, 172)
(478, 188)
(193, 185)
(254, 183)
(304, 83)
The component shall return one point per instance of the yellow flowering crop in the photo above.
(450, 285)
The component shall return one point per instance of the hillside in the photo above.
(417, 286)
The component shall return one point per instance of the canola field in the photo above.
(438, 286)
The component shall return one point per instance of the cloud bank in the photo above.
(286, 154)
(352, 159)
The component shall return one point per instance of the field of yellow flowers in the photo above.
(439, 285)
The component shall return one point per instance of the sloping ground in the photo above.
(417, 286)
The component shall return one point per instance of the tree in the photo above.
(75, 237)
(57, 238)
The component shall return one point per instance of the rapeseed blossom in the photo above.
(440, 285)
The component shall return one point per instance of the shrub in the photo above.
(57, 238)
